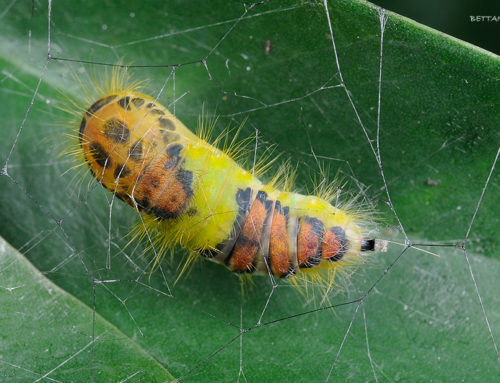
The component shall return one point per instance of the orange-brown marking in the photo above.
(124, 143)
(278, 245)
(247, 244)
(331, 245)
(116, 143)
(334, 243)
(308, 240)
(159, 191)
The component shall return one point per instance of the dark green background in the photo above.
(439, 122)
(453, 17)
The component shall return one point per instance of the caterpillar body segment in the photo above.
(196, 195)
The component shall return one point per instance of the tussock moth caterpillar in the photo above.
(191, 193)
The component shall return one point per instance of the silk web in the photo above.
(204, 328)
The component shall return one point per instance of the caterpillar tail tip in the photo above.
(377, 245)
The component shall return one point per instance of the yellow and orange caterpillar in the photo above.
(196, 195)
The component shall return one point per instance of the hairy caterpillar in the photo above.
(196, 195)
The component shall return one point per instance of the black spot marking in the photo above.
(286, 212)
(150, 105)
(243, 199)
(138, 102)
(99, 104)
(261, 196)
(143, 204)
(158, 111)
(163, 214)
(116, 130)
(100, 155)
(135, 151)
(166, 123)
(171, 163)
(344, 243)
(121, 171)
(168, 136)
(174, 150)
(367, 245)
(124, 102)
(277, 206)
(268, 205)
(185, 177)
(191, 211)
(83, 125)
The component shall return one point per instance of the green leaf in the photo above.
(273, 63)
(45, 333)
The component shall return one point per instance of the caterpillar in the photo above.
(198, 196)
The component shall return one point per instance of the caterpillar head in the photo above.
(132, 148)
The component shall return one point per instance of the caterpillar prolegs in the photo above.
(196, 195)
